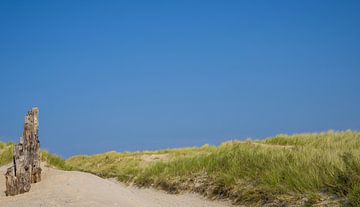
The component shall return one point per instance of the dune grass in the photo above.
(126, 166)
(6, 153)
(7, 150)
(302, 170)
(282, 169)
(54, 160)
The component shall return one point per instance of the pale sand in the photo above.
(63, 188)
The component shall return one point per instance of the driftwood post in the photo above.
(26, 159)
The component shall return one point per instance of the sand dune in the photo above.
(63, 188)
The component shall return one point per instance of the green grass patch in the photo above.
(280, 169)
(283, 170)
(6, 153)
(54, 160)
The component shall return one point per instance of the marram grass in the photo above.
(282, 169)
(6, 153)
(304, 169)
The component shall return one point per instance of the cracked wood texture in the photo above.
(26, 160)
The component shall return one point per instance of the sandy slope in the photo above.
(61, 188)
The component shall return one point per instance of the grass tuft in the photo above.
(54, 160)
(6, 153)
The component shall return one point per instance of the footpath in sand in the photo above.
(72, 188)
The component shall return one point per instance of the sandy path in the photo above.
(62, 188)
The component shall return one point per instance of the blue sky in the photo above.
(136, 75)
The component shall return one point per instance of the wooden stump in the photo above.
(26, 168)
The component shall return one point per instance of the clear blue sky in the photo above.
(136, 75)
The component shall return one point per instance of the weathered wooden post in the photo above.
(26, 168)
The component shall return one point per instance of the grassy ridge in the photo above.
(303, 170)
(311, 168)
(126, 167)
(6, 157)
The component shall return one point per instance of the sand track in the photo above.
(63, 188)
